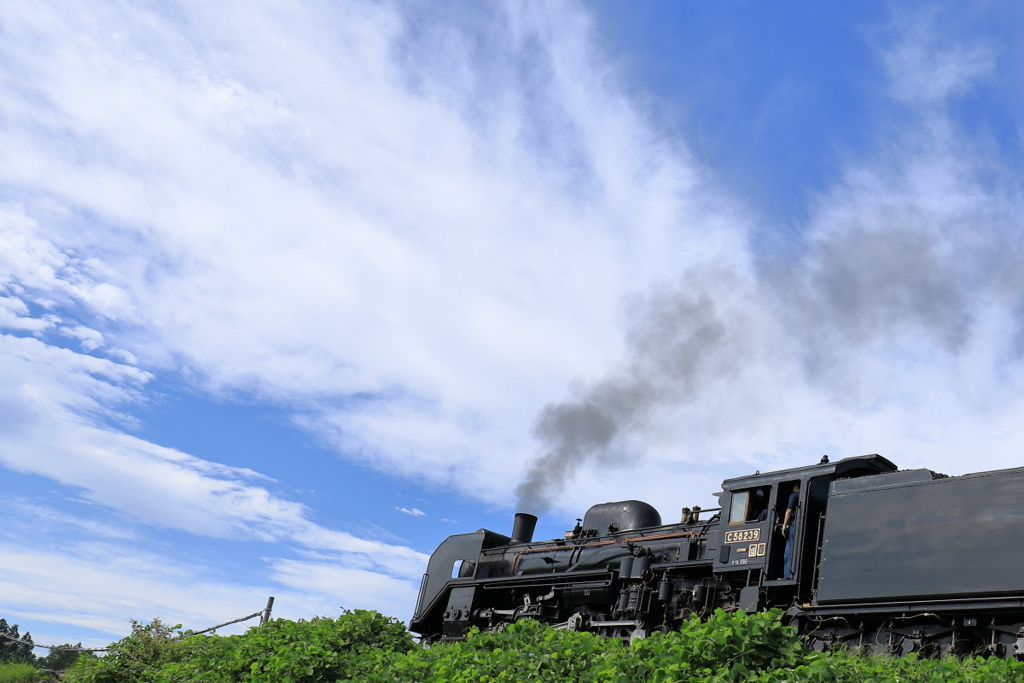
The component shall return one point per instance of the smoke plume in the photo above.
(679, 342)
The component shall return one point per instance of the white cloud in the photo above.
(90, 338)
(925, 67)
(98, 587)
(354, 588)
(52, 400)
(45, 391)
(412, 511)
(45, 520)
(14, 316)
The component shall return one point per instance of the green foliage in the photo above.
(367, 647)
(59, 659)
(842, 667)
(526, 651)
(730, 647)
(19, 672)
(136, 658)
(11, 651)
(356, 644)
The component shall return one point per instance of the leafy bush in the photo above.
(322, 649)
(60, 657)
(136, 658)
(526, 651)
(843, 666)
(370, 648)
(728, 647)
(19, 672)
(10, 649)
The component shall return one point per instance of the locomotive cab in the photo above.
(751, 544)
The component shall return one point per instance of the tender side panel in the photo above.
(955, 537)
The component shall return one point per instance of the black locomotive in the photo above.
(895, 561)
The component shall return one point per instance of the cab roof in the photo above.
(858, 465)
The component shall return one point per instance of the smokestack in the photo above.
(522, 528)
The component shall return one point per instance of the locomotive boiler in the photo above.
(893, 561)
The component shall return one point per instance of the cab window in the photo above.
(749, 505)
(738, 510)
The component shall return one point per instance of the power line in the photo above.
(226, 623)
(53, 647)
(264, 615)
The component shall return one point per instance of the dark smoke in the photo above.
(677, 343)
(575, 432)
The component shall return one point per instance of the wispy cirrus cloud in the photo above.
(52, 399)
(88, 591)
(45, 519)
(927, 66)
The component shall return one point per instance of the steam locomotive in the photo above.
(893, 561)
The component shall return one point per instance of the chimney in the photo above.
(522, 528)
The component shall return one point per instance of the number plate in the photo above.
(743, 535)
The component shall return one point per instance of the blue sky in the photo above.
(290, 293)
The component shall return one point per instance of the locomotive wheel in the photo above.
(818, 644)
(639, 633)
(578, 622)
(1008, 641)
(622, 632)
(908, 645)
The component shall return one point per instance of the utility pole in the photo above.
(266, 612)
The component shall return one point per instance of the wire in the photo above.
(54, 647)
(107, 649)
